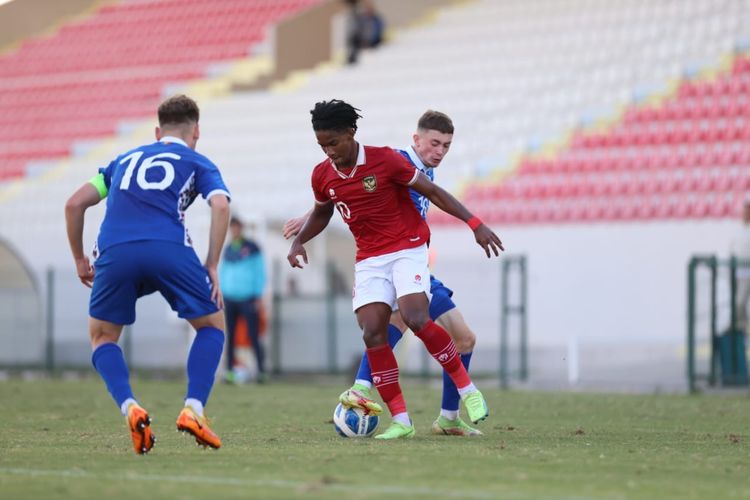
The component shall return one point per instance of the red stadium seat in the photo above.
(105, 67)
(685, 158)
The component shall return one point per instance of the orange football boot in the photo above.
(190, 422)
(140, 429)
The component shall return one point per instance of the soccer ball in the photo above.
(354, 422)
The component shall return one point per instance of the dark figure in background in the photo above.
(365, 28)
(242, 275)
(741, 250)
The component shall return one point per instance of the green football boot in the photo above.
(456, 427)
(397, 430)
(476, 406)
(360, 396)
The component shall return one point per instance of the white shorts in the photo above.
(386, 278)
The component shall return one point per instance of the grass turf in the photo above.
(67, 440)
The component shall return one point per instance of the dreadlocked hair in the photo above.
(334, 115)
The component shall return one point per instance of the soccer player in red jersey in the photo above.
(431, 142)
(370, 188)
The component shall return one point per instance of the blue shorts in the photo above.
(441, 298)
(131, 270)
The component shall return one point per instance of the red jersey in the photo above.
(373, 199)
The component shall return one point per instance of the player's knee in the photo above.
(466, 341)
(99, 336)
(374, 337)
(214, 320)
(415, 320)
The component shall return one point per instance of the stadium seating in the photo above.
(80, 82)
(514, 77)
(685, 157)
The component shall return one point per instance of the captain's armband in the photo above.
(98, 182)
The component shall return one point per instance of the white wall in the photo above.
(620, 289)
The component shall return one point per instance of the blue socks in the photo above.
(450, 393)
(202, 362)
(110, 363)
(394, 335)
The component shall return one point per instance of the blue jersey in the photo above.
(148, 190)
(441, 300)
(420, 201)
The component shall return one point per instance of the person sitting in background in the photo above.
(365, 28)
(242, 275)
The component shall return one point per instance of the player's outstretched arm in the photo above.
(75, 209)
(217, 234)
(319, 217)
(293, 226)
(445, 201)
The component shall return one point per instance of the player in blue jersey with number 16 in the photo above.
(143, 247)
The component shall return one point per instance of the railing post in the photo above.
(49, 348)
(712, 262)
(691, 325)
(524, 321)
(519, 309)
(734, 361)
(504, 324)
(127, 344)
(332, 334)
(276, 319)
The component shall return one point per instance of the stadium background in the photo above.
(606, 142)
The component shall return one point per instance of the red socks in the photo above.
(385, 369)
(440, 345)
(385, 377)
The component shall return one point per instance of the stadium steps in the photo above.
(684, 155)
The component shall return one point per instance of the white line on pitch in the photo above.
(233, 481)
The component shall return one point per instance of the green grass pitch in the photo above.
(67, 440)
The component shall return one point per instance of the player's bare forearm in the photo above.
(449, 204)
(75, 209)
(441, 198)
(218, 230)
(293, 225)
(317, 221)
(445, 201)
(74, 217)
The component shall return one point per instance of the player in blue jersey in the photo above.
(143, 247)
(432, 141)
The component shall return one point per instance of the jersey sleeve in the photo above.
(208, 180)
(317, 187)
(402, 170)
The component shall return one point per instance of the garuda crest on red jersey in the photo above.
(370, 183)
